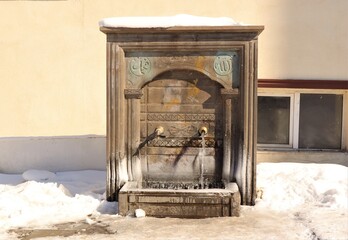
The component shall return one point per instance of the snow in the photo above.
(139, 213)
(289, 185)
(166, 22)
(296, 201)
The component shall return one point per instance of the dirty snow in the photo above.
(166, 22)
(296, 201)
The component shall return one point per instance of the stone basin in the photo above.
(184, 203)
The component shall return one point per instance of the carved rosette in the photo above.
(140, 66)
(223, 65)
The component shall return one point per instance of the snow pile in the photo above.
(70, 197)
(288, 185)
(34, 203)
(166, 22)
(313, 195)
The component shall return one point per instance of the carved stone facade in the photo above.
(180, 117)
(164, 87)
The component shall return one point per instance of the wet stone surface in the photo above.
(64, 230)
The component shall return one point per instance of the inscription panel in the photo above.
(139, 65)
(223, 65)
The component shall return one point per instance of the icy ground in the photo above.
(296, 201)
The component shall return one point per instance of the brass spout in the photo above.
(159, 130)
(203, 131)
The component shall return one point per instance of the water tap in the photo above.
(159, 130)
(203, 131)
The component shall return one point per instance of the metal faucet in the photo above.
(159, 130)
(203, 131)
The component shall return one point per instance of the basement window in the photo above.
(320, 124)
(300, 120)
(274, 120)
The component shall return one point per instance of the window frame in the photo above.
(291, 121)
(295, 116)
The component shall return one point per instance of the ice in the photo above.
(38, 175)
(166, 22)
(10, 179)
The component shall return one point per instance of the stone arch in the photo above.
(202, 72)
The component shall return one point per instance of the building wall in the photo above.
(18, 154)
(53, 56)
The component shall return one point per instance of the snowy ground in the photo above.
(297, 201)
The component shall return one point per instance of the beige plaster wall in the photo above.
(52, 55)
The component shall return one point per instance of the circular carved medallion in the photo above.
(223, 65)
(140, 66)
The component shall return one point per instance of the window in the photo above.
(274, 120)
(300, 120)
(320, 121)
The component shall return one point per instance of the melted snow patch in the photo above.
(38, 175)
(165, 22)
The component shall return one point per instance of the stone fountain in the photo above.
(181, 119)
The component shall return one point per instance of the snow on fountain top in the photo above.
(181, 20)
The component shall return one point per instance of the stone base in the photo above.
(191, 203)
